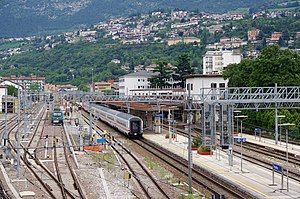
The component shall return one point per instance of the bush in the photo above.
(204, 148)
(197, 141)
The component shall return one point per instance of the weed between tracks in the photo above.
(166, 175)
(106, 159)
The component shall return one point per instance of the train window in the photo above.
(57, 114)
(135, 126)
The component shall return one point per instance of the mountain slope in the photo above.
(29, 17)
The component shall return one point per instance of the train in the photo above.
(57, 116)
(130, 125)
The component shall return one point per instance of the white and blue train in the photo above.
(128, 124)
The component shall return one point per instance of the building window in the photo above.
(213, 85)
(222, 85)
(192, 87)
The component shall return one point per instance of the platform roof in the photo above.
(144, 106)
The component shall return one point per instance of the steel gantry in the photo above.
(217, 105)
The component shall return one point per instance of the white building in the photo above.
(203, 83)
(214, 62)
(27, 81)
(138, 80)
(10, 83)
(3, 92)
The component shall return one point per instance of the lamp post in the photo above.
(237, 119)
(92, 80)
(287, 152)
(169, 118)
(241, 136)
(280, 131)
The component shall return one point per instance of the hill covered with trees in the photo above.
(24, 18)
(73, 63)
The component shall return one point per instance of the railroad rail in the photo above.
(137, 175)
(77, 185)
(210, 179)
(61, 183)
(24, 159)
(249, 149)
(266, 151)
(35, 169)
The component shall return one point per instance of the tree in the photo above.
(11, 90)
(183, 68)
(272, 66)
(34, 87)
(161, 80)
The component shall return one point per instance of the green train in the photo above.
(57, 117)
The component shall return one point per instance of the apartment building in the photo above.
(214, 62)
(138, 80)
(26, 82)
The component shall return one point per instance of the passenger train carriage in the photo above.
(128, 124)
(57, 115)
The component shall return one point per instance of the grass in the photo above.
(164, 174)
(191, 196)
(104, 159)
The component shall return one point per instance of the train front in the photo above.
(57, 117)
(136, 127)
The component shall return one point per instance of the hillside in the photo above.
(73, 63)
(32, 17)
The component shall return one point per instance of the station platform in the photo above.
(253, 178)
(293, 149)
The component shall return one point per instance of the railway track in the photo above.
(3, 194)
(268, 152)
(149, 185)
(211, 184)
(253, 153)
(66, 153)
(36, 167)
(23, 158)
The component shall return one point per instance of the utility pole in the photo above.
(6, 132)
(276, 119)
(25, 112)
(30, 104)
(19, 144)
(190, 101)
(91, 121)
(170, 133)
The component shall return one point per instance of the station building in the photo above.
(200, 84)
(203, 83)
